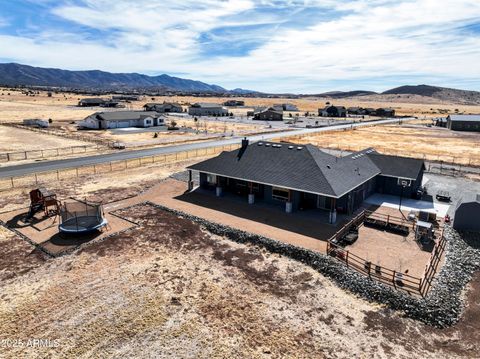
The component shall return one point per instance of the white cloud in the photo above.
(367, 40)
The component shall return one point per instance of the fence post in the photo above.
(58, 177)
(11, 179)
(36, 180)
(393, 279)
(346, 258)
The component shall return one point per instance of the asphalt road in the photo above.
(44, 166)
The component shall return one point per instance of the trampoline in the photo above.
(81, 217)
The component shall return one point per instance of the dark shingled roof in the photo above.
(126, 115)
(395, 166)
(300, 167)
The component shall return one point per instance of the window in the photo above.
(280, 194)
(211, 179)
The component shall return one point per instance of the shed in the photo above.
(463, 122)
(467, 214)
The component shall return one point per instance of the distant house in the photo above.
(91, 102)
(207, 109)
(269, 115)
(385, 112)
(122, 119)
(370, 111)
(127, 97)
(359, 111)
(333, 111)
(285, 107)
(467, 214)
(232, 103)
(463, 122)
(165, 107)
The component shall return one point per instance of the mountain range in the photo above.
(13, 74)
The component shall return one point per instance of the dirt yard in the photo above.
(168, 288)
(15, 139)
(405, 140)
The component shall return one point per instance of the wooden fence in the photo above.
(46, 153)
(431, 267)
(396, 279)
(39, 178)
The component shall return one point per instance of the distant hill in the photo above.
(345, 94)
(439, 93)
(12, 74)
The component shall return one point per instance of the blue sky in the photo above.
(267, 45)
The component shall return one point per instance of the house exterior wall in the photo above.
(467, 217)
(463, 125)
(90, 122)
(389, 185)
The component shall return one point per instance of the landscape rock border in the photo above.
(442, 307)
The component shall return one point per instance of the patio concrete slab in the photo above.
(408, 204)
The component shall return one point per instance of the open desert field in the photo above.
(16, 139)
(169, 288)
(431, 143)
(15, 106)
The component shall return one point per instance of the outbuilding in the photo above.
(467, 214)
(463, 122)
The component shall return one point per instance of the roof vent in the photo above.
(267, 144)
(299, 147)
(328, 166)
(290, 147)
(260, 143)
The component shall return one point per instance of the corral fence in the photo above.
(396, 279)
(46, 153)
(35, 179)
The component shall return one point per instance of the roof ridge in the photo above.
(311, 147)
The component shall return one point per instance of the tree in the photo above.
(290, 115)
(173, 124)
(155, 135)
(50, 120)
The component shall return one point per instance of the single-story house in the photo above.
(385, 112)
(285, 107)
(207, 109)
(359, 111)
(302, 177)
(233, 103)
(463, 122)
(90, 102)
(163, 107)
(333, 111)
(467, 214)
(269, 115)
(370, 111)
(122, 119)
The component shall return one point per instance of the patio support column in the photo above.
(190, 182)
(289, 204)
(333, 212)
(251, 195)
(218, 189)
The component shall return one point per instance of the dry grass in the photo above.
(411, 141)
(15, 139)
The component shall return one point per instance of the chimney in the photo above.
(244, 143)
